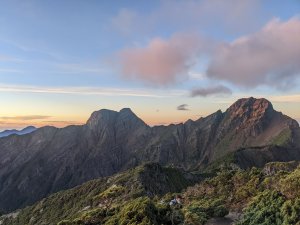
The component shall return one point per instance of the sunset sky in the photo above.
(166, 60)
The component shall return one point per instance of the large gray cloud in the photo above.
(269, 57)
(212, 90)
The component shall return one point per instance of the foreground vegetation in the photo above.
(268, 196)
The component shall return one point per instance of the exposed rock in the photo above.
(273, 167)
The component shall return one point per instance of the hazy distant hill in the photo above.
(249, 133)
(26, 130)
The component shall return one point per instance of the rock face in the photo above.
(50, 159)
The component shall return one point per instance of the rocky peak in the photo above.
(250, 108)
(114, 119)
(128, 120)
(127, 114)
(101, 117)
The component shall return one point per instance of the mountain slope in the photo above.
(147, 180)
(137, 197)
(51, 159)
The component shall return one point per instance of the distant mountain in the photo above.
(250, 132)
(26, 130)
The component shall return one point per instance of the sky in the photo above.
(168, 60)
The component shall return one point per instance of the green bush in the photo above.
(112, 192)
(198, 212)
(195, 217)
(290, 212)
(264, 210)
(138, 211)
(290, 185)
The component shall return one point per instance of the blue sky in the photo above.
(65, 59)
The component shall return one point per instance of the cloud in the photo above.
(163, 62)
(74, 68)
(182, 107)
(269, 57)
(211, 13)
(285, 98)
(134, 92)
(29, 117)
(197, 76)
(213, 90)
(10, 70)
(9, 58)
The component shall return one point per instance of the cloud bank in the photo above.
(29, 117)
(269, 57)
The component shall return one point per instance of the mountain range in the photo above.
(25, 130)
(249, 133)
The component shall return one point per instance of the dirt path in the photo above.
(227, 220)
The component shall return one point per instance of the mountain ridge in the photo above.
(23, 131)
(52, 159)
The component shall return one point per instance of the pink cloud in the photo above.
(269, 57)
(162, 62)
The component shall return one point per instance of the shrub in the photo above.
(264, 210)
(138, 211)
(290, 185)
(198, 212)
(290, 212)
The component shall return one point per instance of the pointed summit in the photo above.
(250, 107)
(105, 117)
(101, 117)
(127, 118)
(126, 110)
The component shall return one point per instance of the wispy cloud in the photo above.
(197, 76)
(208, 91)
(27, 117)
(7, 70)
(194, 14)
(8, 58)
(182, 107)
(74, 68)
(93, 91)
(285, 98)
